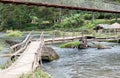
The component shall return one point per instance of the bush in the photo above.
(14, 34)
(74, 20)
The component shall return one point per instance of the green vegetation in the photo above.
(2, 66)
(1, 47)
(14, 34)
(37, 74)
(118, 41)
(70, 22)
(56, 33)
(22, 17)
(70, 44)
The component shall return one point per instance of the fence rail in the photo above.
(37, 57)
(17, 48)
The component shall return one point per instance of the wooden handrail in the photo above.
(14, 49)
(37, 56)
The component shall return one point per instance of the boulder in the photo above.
(49, 54)
(100, 46)
(82, 46)
(104, 47)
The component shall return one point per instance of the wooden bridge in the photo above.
(29, 52)
(29, 58)
(85, 5)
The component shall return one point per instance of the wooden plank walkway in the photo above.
(24, 63)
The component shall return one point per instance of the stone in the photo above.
(10, 42)
(49, 54)
(82, 46)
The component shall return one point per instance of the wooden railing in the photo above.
(38, 58)
(20, 47)
(17, 49)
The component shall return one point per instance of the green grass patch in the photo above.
(37, 74)
(70, 44)
(2, 66)
(14, 34)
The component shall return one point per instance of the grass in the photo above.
(2, 66)
(1, 47)
(37, 74)
(70, 44)
(12, 33)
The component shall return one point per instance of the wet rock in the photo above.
(82, 46)
(10, 42)
(100, 46)
(104, 47)
(89, 37)
(49, 54)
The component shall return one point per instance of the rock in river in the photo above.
(49, 54)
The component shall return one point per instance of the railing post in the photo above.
(63, 35)
(73, 33)
(53, 36)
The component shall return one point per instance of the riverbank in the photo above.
(38, 73)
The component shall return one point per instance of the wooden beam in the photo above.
(17, 2)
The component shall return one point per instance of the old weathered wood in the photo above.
(28, 61)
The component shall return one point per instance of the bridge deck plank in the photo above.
(24, 63)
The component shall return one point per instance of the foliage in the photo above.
(57, 33)
(37, 74)
(74, 20)
(14, 34)
(87, 16)
(24, 17)
(70, 44)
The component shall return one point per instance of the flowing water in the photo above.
(86, 63)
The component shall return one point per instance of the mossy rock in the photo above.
(49, 54)
(70, 44)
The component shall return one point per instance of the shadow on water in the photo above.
(86, 63)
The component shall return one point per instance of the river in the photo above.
(86, 63)
(83, 63)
